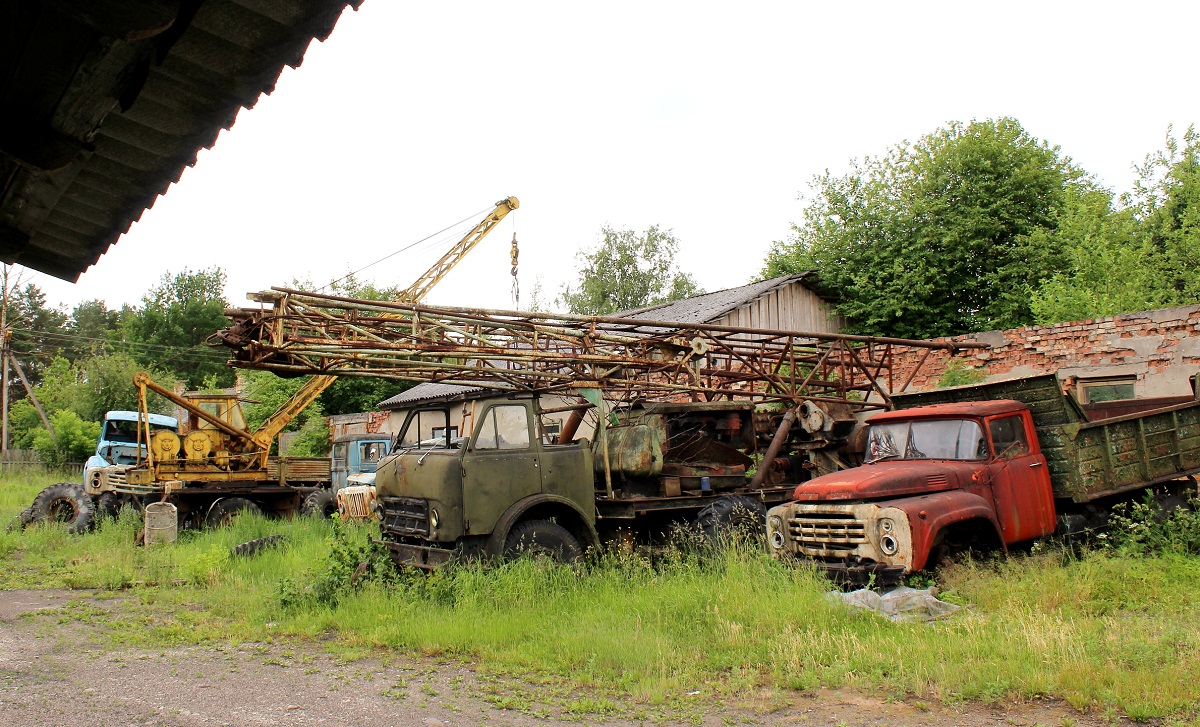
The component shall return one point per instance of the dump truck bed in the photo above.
(1088, 460)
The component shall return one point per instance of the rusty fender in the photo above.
(928, 515)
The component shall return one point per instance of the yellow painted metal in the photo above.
(419, 289)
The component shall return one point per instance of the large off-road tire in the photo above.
(67, 503)
(321, 504)
(258, 544)
(732, 517)
(542, 538)
(224, 511)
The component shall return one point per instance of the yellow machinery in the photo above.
(217, 455)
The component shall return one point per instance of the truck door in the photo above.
(1020, 482)
(500, 465)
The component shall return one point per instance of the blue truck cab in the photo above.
(118, 442)
(355, 454)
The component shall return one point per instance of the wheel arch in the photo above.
(543, 507)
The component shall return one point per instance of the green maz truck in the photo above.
(507, 486)
(990, 466)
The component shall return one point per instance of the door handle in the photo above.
(1036, 464)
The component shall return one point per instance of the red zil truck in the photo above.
(990, 466)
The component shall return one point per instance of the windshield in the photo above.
(930, 439)
(428, 429)
(126, 432)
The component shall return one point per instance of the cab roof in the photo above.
(132, 416)
(949, 411)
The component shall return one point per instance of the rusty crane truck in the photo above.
(694, 423)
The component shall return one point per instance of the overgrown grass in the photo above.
(1103, 630)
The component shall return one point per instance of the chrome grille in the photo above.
(827, 531)
(405, 516)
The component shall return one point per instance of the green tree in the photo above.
(1136, 253)
(90, 325)
(935, 238)
(170, 327)
(628, 270)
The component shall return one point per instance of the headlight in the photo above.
(775, 527)
(886, 525)
(888, 545)
(433, 519)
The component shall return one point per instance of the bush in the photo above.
(1144, 528)
(74, 439)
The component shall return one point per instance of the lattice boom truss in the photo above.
(296, 332)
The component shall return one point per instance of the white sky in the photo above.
(708, 118)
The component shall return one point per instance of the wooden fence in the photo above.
(23, 460)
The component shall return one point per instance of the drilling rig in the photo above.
(694, 423)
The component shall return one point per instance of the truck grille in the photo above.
(827, 531)
(356, 503)
(405, 516)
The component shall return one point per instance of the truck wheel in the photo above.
(108, 504)
(322, 504)
(733, 517)
(542, 538)
(224, 511)
(67, 503)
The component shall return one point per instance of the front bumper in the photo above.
(860, 574)
(418, 556)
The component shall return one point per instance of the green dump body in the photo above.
(1091, 459)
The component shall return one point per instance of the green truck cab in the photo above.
(441, 495)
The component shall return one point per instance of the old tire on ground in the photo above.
(542, 538)
(322, 504)
(253, 546)
(732, 517)
(67, 503)
(21, 520)
(225, 510)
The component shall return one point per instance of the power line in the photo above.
(403, 249)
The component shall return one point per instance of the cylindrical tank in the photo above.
(162, 523)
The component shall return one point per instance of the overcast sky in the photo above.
(706, 118)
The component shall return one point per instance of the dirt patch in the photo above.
(58, 674)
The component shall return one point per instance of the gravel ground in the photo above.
(61, 675)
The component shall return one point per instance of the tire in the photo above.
(321, 504)
(253, 546)
(67, 503)
(732, 517)
(108, 504)
(222, 513)
(542, 538)
(22, 520)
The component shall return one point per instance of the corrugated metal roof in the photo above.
(428, 392)
(103, 106)
(710, 306)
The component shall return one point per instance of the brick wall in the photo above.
(1160, 347)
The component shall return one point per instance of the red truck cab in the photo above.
(945, 474)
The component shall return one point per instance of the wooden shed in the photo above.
(784, 303)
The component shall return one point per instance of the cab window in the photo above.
(1008, 436)
(504, 427)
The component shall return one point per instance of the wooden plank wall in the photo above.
(791, 307)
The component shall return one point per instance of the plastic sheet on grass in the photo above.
(898, 604)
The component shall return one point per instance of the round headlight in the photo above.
(886, 525)
(888, 545)
(776, 540)
(433, 519)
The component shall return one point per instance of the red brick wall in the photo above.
(1160, 347)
